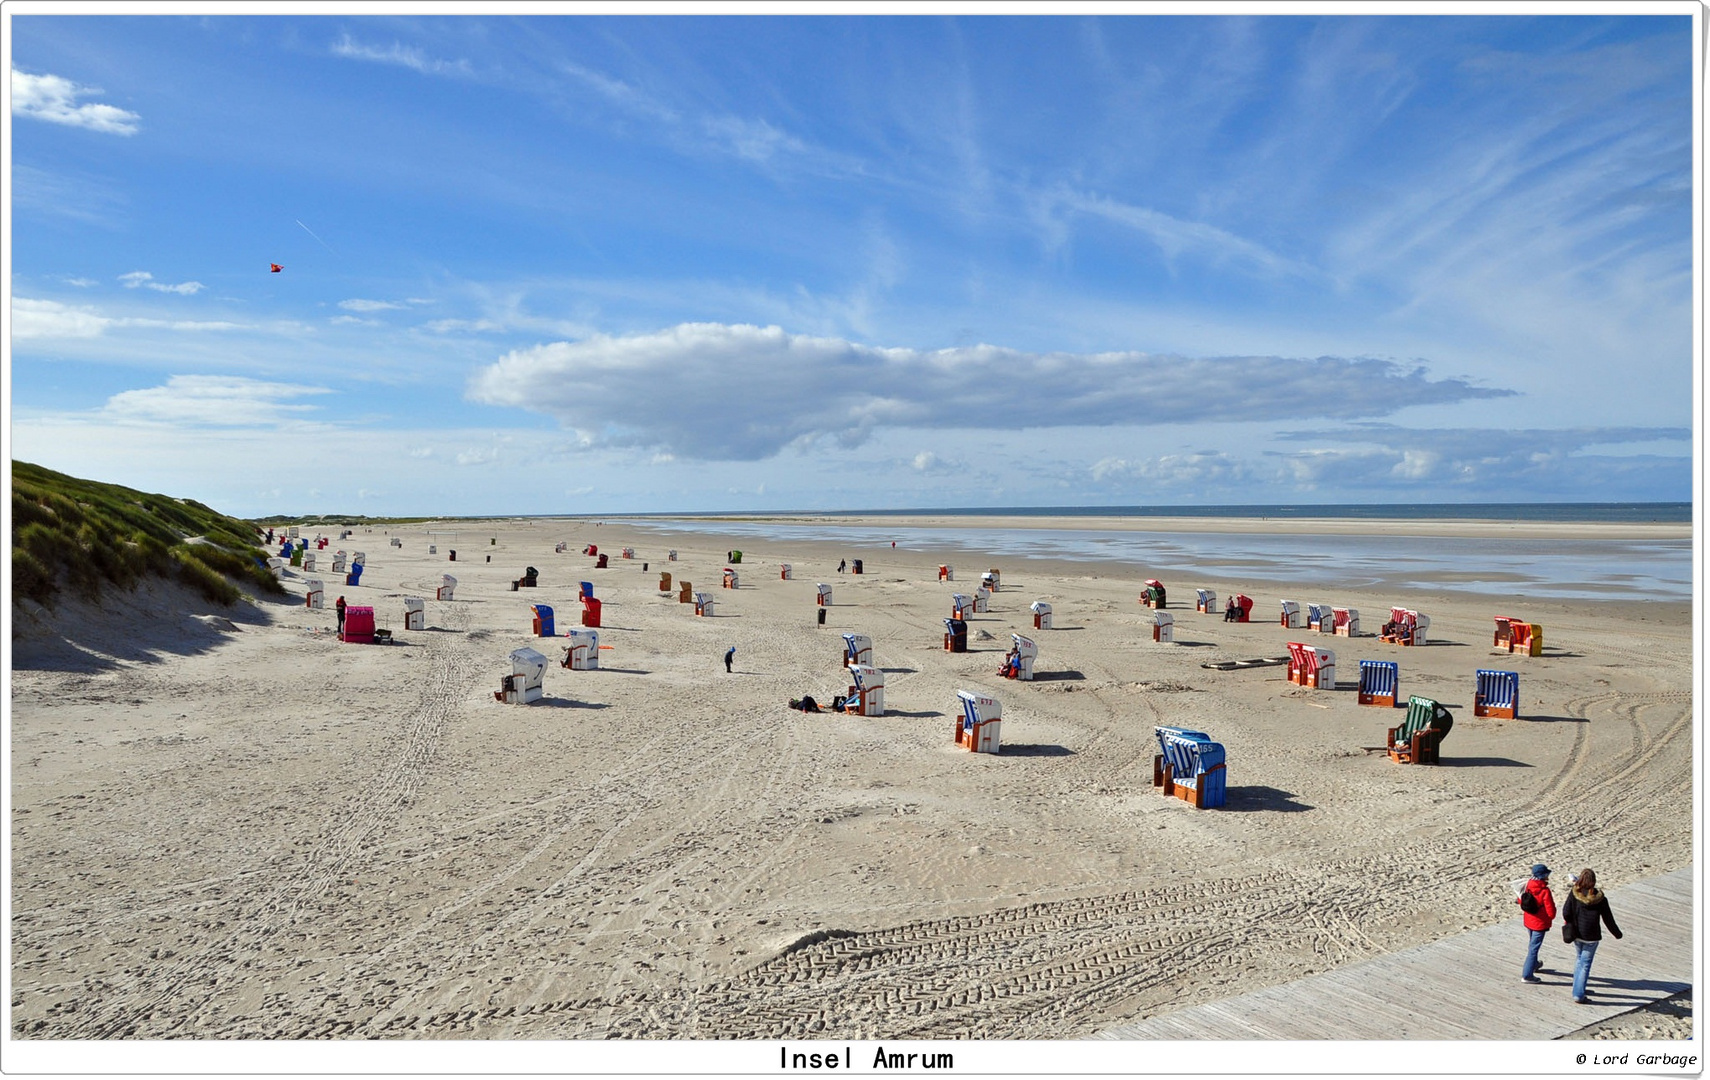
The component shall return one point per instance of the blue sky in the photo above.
(594, 264)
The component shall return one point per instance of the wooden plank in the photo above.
(1464, 987)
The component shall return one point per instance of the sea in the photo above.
(1620, 569)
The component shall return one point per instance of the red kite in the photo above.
(276, 267)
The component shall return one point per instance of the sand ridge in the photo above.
(281, 836)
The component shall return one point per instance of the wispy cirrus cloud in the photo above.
(142, 279)
(400, 55)
(1175, 238)
(759, 389)
(54, 99)
(213, 401)
(33, 318)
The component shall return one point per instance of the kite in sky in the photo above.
(276, 268)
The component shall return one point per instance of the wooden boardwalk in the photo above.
(1467, 986)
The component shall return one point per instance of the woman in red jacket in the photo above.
(1537, 916)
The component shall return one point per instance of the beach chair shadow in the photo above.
(1194, 644)
(898, 670)
(1058, 676)
(1258, 798)
(1531, 719)
(626, 670)
(1034, 750)
(566, 703)
(1479, 762)
(923, 713)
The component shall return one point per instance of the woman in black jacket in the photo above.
(1585, 910)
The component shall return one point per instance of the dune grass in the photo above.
(84, 536)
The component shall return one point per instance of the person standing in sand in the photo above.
(1538, 913)
(729, 655)
(340, 607)
(1584, 910)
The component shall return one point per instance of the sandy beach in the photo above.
(247, 829)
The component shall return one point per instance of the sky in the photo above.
(576, 264)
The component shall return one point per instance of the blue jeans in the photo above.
(1582, 966)
(1531, 964)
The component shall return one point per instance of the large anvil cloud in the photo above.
(734, 392)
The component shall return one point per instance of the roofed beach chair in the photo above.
(1153, 597)
(980, 727)
(1041, 615)
(857, 649)
(1497, 694)
(1163, 626)
(955, 635)
(867, 696)
(1380, 683)
(1416, 739)
(1190, 766)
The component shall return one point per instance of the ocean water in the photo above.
(1563, 569)
(1624, 512)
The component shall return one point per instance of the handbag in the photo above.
(1568, 934)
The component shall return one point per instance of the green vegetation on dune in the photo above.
(84, 535)
(326, 520)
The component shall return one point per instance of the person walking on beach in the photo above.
(1584, 910)
(842, 564)
(340, 607)
(1538, 913)
(729, 655)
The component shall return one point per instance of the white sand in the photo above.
(265, 833)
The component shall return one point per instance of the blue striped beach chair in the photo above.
(1380, 683)
(1498, 694)
(1190, 766)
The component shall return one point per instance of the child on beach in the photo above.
(1537, 916)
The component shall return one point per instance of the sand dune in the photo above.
(268, 834)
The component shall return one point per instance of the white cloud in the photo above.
(140, 279)
(479, 456)
(82, 282)
(401, 55)
(422, 452)
(32, 318)
(1465, 462)
(51, 98)
(470, 326)
(370, 305)
(212, 400)
(50, 319)
(1193, 468)
(756, 390)
(347, 320)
